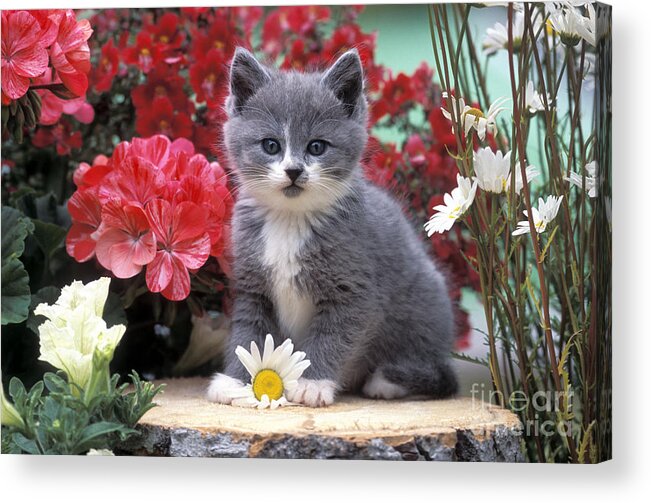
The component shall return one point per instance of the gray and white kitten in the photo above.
(322, 255)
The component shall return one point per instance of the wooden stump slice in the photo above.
(185, 424)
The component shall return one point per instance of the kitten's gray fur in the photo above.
(333, 264)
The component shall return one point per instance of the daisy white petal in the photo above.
(251, 364)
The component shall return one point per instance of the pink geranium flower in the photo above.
(125, 242)
(183, 244)
(70, 53)
(23, 54)
(86, 212)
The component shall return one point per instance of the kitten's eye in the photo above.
(316, 147)
(271, 146)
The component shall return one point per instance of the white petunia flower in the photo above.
(9, 416)
(272, 374)
(473, 117)
(90, 298)
(590, 179)
(456, 204)
(493, 171)
(75, 331)
(100, 452)
(533, 100)
(571, 26)
(542, 216)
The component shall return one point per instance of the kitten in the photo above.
(321, 254)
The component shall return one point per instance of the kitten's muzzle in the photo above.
(294, 173)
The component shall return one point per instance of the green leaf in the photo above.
(93, 433)
(48, 295)
(114, 313)
(48, 236)
(25, 444)
(15, 280)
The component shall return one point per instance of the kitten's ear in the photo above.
(346, 79)
(247, 76)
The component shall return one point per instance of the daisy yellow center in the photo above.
(476, 113)
(268, 382)
(164, 39)
(549, 27)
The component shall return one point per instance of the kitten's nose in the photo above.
(293, 173)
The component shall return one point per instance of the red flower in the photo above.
(125, 243)
(87, 176)
(221, 36)
(162, 81)
(24, 55)
(86, 213)
(160, 117)
(395, 93)
(351, 36)
(422, 85)
(145, 54)
(209, 78)
(248, 17)
(70, 53)
(53, 107)
(384, 164)
(165, 31)
(107, 67)
(61, 134)
(136, 180)
(183, 244)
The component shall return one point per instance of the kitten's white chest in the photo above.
(284, 235)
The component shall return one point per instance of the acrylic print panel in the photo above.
(377, 232)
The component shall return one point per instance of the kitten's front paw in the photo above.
(220, 385)
(313, 393)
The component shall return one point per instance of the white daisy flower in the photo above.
(519, 7)
(571, 26)
(473, 117)
(533, 100)
(456, 204)
(497, 37)
(590, 179)
(272, 375)
(493, 171)
(542, 216)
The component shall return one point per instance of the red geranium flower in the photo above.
(160, 117)
(183, 244)
(395, 94)
(383, 165)
(125, 242)
(61, 134)
(107, 67)
(166, 31)
(248, 17)
(86, 213)
(221, 35)
(162, 81)
(23, 54)
(145, 54)
(87, 176)
(422, 85)
(70, 53)
(136, 180)
(209, 78)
